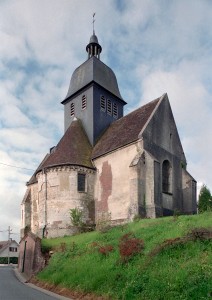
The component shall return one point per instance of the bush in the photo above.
(205, 199)
(129, 246)
(76, 217)
(4, 260)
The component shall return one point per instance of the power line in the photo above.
(12, 166)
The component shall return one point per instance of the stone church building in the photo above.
(106, 164)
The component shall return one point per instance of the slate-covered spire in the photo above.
(93, 48)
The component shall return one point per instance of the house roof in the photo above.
(33, 179)
(74, 148)
(125, 130)
(5, 244)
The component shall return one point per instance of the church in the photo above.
(108, 166)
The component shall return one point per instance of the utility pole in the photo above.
(9, 242)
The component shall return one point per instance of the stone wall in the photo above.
(31, 260)
(53, 197)
(189, 194)
(116, 188)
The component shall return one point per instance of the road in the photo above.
(12, 289)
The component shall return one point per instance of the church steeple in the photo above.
(93, 95)
(93, 48)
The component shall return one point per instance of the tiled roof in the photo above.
(3, 244)
(73, 149)
(33, 179)
(125, 130)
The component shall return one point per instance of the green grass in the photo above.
(180, 271)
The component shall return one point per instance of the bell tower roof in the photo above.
(93, 70)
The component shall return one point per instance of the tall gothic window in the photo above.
(166, 177)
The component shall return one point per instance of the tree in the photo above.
(205, 199)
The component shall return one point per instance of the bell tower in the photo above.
(93, 95)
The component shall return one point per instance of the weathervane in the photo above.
(93, 22)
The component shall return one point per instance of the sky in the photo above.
(153, 46)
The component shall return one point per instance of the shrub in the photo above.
(129, 246)
(76, 217)
(12, 260)
(205, 199)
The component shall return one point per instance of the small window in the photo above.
(72, 109)
(13, 249)
(81, 182)
(102, 103)
(109, 107)
(84, 102)
(115, 110)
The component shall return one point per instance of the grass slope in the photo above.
(180, 271)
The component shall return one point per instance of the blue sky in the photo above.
(152, 46)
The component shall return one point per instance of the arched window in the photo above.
(166, 177)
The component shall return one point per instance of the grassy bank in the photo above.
(103, 263)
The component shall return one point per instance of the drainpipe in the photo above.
(45, 203)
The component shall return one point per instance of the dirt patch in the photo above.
(65, 291)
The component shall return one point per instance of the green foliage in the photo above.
(205, 200)
(76, 217)
(4, 260)
(178, 271)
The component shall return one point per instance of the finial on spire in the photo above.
(93, 48)
(93, 22)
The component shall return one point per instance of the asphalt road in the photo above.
(12, 289)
